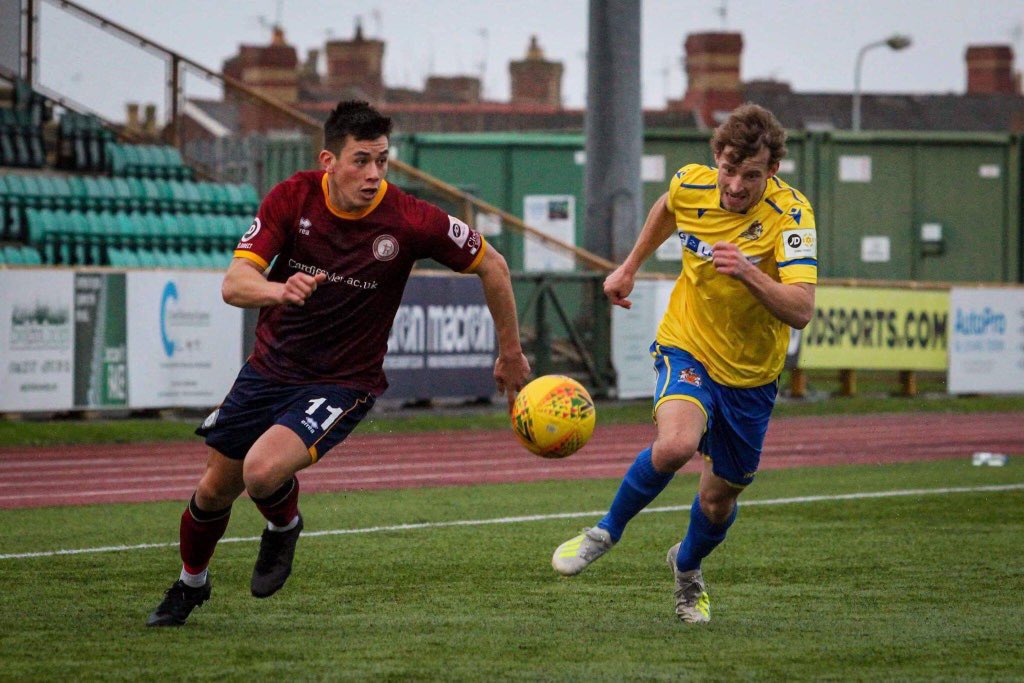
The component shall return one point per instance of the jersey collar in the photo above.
(353, 215)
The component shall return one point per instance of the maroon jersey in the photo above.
(341, 334)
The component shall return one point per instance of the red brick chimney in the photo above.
(712, 75)
(271, 69)
(990, 70)
(356, 64)
(460, 89)
(536, 80)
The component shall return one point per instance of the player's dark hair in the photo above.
(355, 118)
(748, 129)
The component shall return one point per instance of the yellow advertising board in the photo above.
(861, 328)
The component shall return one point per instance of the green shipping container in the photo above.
(504, 169)
(919, 206)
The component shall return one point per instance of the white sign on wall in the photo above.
(184, 342)
(555, 216)
(652, 168)
(875, 249)
(854, 168)
(633, 330)
(37, 340)
(986, 341)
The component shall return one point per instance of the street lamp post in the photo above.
(894, 42)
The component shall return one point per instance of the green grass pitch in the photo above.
(919, 586)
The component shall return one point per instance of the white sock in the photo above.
(287, 527)
(194, 580)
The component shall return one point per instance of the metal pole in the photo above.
(855, 117)
(31, 18)
(614, 129)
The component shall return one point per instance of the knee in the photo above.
(716, 507)
(262, 479)
(669, 455)
(215, 493)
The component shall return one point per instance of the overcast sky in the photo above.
(812, 44)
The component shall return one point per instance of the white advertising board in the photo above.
(633, 331)
(555, 216)
(184, 342)
(986, 341)
(37, 340)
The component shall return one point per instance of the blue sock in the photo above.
(702, 537)
(639, 487)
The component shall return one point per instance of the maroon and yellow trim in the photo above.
(353, 215)
(479, 257)
(255, 258)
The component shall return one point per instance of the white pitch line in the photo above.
(533, 518)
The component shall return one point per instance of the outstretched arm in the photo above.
(658, 227)
(511, 369)
(246, 286)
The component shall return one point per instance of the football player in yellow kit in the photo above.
(748, 274)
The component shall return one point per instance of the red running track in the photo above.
(79, 475)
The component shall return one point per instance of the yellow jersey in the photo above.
(714, 316)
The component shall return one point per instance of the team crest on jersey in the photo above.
(689, 376)
(753, 232)
(253, 230)
(385, 248)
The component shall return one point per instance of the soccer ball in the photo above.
(553, 416)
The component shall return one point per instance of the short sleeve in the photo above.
(264, 238)
(796, 251)
(449, 240)
(676, 185)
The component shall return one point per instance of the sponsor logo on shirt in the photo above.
(698, 246)
(799, 244)
(334, 278)
(304, 225)
(796, 213)
(458, 231)
(385, 248)
(474, 243)
(253, 230)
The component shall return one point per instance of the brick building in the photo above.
(354, 69)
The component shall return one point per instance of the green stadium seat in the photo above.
(31, 256)
(60, 188)
(147, 258)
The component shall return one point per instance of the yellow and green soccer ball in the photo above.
(553, 416)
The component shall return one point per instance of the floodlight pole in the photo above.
(614, 129)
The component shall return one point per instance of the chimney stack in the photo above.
(712, 65)
(536, 80)
(356, 64)
(990, 70)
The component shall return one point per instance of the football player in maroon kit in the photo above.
(326, 261)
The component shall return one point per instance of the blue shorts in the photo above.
(737, 419)
(322, 415)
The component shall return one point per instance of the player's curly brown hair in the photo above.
(749, 128)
